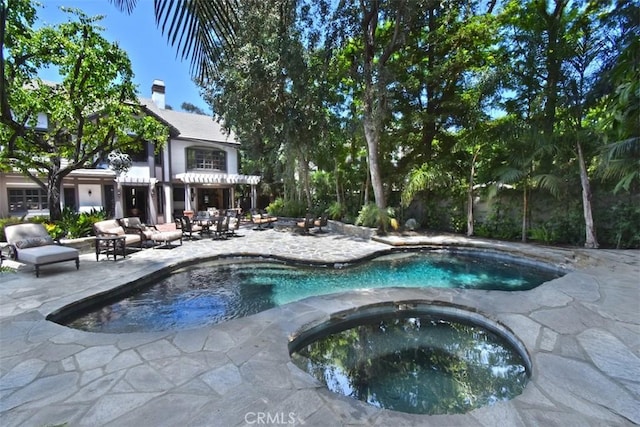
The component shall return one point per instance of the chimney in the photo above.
(157, 93)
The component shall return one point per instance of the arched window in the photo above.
(209, 159)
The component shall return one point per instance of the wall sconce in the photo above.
(89, 192)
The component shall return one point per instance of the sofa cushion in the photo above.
(167, 236)
(47, 254)
(130, 239)
(119, 231)
(34, 242)
(106, 226)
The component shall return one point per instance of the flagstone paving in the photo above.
(582, 332)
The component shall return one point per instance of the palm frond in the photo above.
(422, 178)
(202, 31)
(620, 149)
(125, 5)
(510, 175)
(552, 183)
(626, 180)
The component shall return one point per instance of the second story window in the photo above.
(206, 159)
(141, 155)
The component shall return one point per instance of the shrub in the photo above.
(371, 216)
(7, 221)
(288, 208)
(618, 226)
(75, 225)
(55, 231)
(336, 211)
(40, 219)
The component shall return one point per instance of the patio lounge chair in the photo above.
(307, 224)
(220, 227)
(234, 223)
(30, 243)
(187, 227)
(321, 222)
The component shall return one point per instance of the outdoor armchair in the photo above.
(112, 227)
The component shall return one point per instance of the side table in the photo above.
(110, 245)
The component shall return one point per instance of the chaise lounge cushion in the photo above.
(47, 254)
(33, 245)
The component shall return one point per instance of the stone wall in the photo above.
(351, 230)
(83, 244)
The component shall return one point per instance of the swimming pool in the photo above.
(228, 289)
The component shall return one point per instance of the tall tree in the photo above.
(377, 17)
(268, 92)
(52, 129)
(619, 114)
(557, 51)
(446, 82)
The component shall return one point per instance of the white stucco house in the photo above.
(197, 169)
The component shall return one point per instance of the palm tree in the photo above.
(200, 30)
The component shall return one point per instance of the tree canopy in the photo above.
(427, 105)
(49, 129)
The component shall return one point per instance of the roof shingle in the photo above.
(192, 126)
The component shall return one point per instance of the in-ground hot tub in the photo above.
(415, 357)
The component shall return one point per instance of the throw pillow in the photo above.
(34, 242)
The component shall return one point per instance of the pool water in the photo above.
(205, 295)
(421, 364)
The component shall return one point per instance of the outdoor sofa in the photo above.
(262, 220)
(31, 244)
(149, 233)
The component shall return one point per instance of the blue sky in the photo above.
(149, 52)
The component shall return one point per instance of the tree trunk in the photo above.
(336, 173)
(470, 194)
(525, 216)
(372, 136)
(367, 185)
(53, 196)
(304, 165)
(590, 232)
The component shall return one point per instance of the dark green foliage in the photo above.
(372, 216)
(77, 225)
(7, 221)
(564, 74)
(336, 211)
(288, 208)
(618, 226)
(499, 225)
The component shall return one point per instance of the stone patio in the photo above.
(582, 332)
